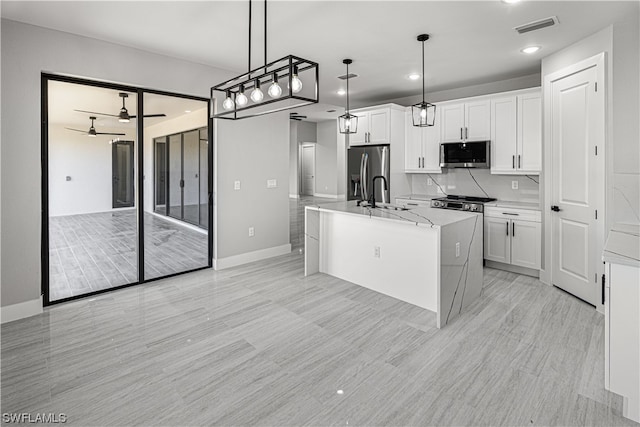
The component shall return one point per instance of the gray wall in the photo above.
(26, 52)
(326, 154)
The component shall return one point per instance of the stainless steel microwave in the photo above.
(465, 154)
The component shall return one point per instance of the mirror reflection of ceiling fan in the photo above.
(92, 130)
(123, 116)
(297, 117)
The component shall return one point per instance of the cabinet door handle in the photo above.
(507, 228)
(418, 162)
(466, 133)
(461, 134)
(510, 213)
(519, 162)
(423, 163)
(513, 229)
(513, 162)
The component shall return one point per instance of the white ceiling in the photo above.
(472, 42)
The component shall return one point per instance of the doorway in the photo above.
(308, 169)
(122, 170)
(576, 123)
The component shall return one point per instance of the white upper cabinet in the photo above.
(373, 127)
(516, 129)
(422, 146)
(466, 121)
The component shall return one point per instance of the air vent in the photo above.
(537, 25)
(350, 76)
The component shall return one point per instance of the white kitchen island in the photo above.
(428, 257)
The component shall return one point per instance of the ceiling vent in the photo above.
(345, 76)
(537, 25)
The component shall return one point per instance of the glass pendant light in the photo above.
(423, 113)
(275, 91)
(228, 103)
(348, 123)
(256, 93)
(296, 83)
(241, 98)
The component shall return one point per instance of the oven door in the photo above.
(465, 154)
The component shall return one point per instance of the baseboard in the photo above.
(235, 260)
(327, 196)
(21, 310)
(294, 196)
(512, 268)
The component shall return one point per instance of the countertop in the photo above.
(421, 216)
(623, 245)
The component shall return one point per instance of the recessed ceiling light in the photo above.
(414, 76)
(530, 49)
(341, 91)
(187, 111)
(510, 1)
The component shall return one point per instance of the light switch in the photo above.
(236, 185)
(272, 183)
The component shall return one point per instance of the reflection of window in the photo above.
(180, 176)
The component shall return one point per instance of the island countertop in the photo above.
(420, 216)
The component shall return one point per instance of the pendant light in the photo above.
(302, 87)
(423, 113)
(348, 123)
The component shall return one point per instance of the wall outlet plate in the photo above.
(514, 185)
(376, 251)
(272, 183)
(252, 232)
(429, 181)
(457, 249)
(236, 185)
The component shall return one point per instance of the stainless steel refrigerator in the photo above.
(364, 163)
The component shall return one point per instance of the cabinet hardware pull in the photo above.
(603, 281)
(509, 213)
(418, 162)
(466, 133)
(412, 204)
(519, 166)
(461, 134)
(513, 229)
(513, 162)
(423, 162)
(507, 228)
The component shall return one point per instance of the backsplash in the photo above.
(461, 182)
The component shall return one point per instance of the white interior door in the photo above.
(577, 127)
(308, 170)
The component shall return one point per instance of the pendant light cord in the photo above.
(265, 36)
(249, 62)
(348, 89)
(423, 77)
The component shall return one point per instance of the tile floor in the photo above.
(91, 252)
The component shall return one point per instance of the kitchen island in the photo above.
(428, 257)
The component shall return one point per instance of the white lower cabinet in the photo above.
(513, 241)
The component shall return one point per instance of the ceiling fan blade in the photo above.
(77, 130)
(151, 115)
(93, 112)
(109, 133)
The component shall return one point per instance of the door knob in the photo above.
(555, 208)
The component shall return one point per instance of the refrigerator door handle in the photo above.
(385, 172)
(363, 182)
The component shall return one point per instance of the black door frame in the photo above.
(44, 160)
(114, 167)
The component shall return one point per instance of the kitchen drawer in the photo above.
(513, 213)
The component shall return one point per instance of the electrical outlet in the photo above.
(272, 183)
(376, 251)
(236, 185)
(252, 232)
(429, 181)
(457, 249)
(514, 185)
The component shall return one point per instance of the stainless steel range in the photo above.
(462, 203)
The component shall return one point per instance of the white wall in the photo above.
(195, 119)
(326, 152)
(88, 161)
(621, 44)
(27, 51)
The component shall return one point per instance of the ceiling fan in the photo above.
(123, 116)
(92, 130)
(297, 117)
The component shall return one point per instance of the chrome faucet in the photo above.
(373, 193)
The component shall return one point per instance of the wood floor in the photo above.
(261, 344)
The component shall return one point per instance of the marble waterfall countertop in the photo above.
(420, 216)
(623, 245)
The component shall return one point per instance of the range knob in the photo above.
(436, 204)
(474, 207)
(466, 207)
